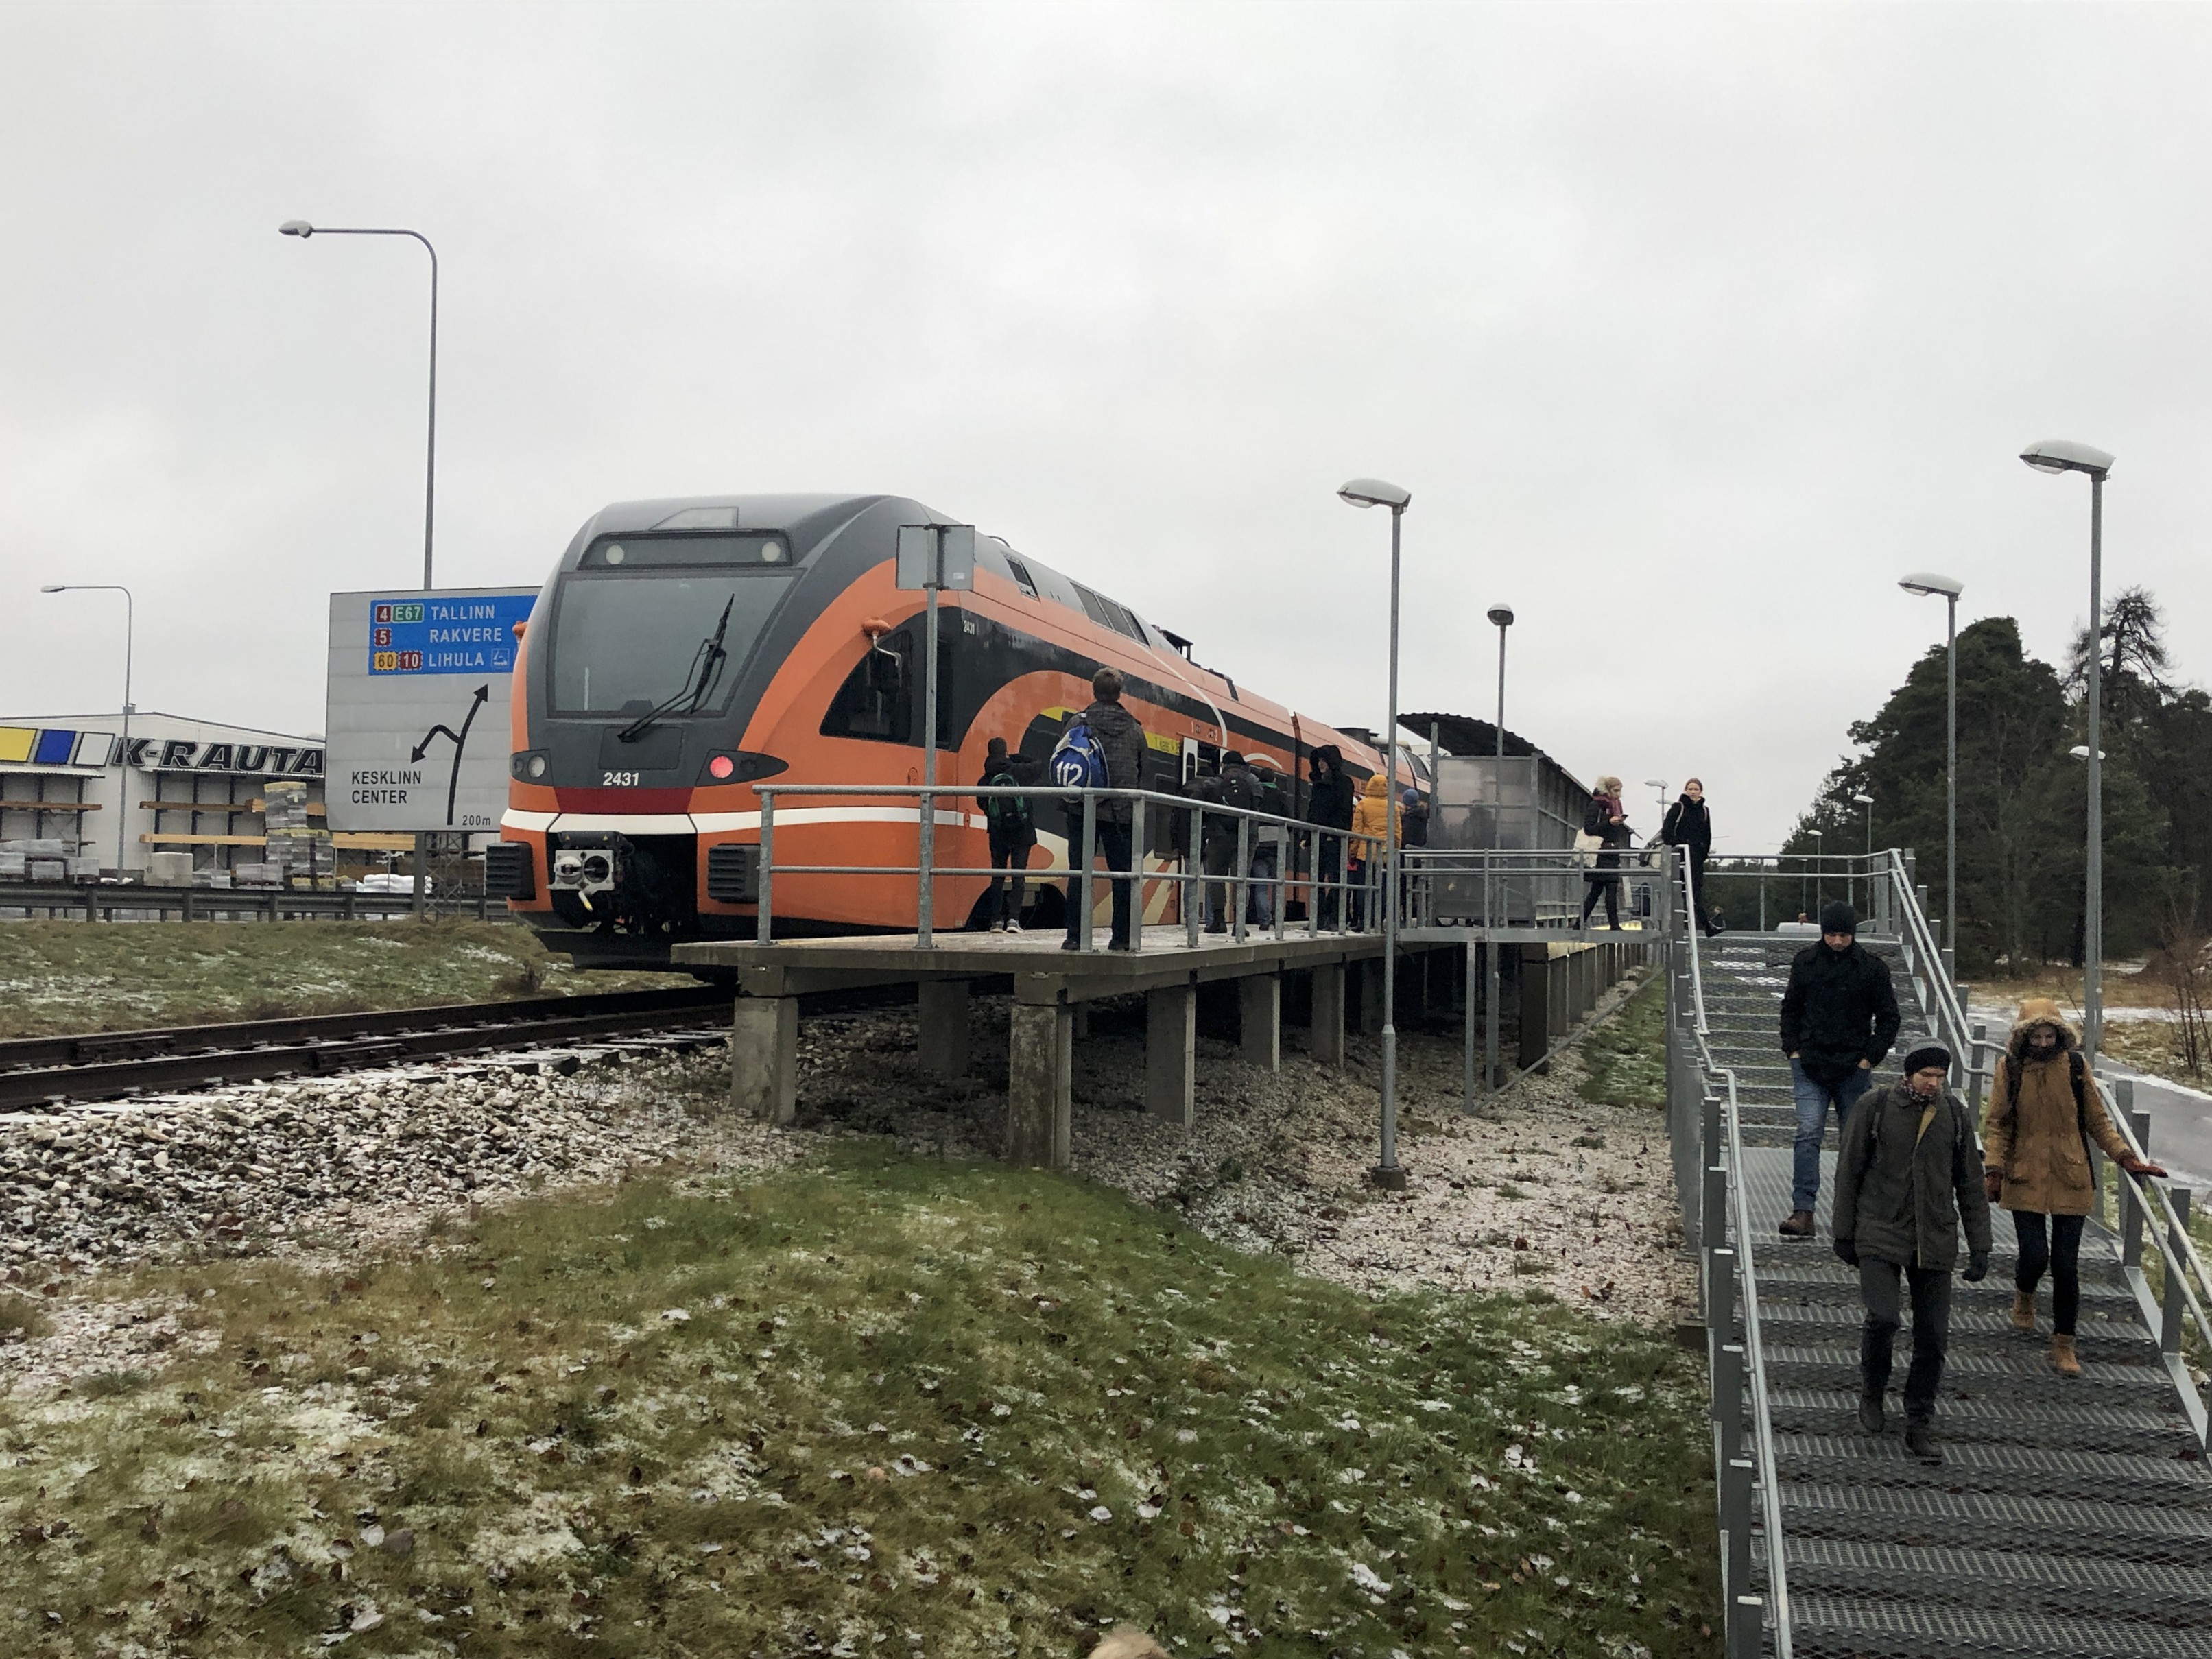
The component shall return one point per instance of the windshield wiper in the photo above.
(706, 668)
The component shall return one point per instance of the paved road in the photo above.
(2180, 1124)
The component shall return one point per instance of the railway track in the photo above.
(102, 1065)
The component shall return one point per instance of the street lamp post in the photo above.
(1374, 492)
(2060, 455)
(1924, 583)
(1501, 617)
(130, 628)
(303, 230)
(1819, 851)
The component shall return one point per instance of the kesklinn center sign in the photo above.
(419, 687)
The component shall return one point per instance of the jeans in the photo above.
(1812, 1097)
(2061, 1253)
(1013, 856)
(1114, 846)
(1328, 867)
(1218, 855)
(1261, 908)
(1931, 1331)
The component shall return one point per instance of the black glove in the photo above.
(1847, 1252)
(1977, 1268)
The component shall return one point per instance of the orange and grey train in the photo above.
(686, 651)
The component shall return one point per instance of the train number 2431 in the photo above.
(619, 780)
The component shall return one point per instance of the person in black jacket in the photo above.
(1689, 826)
(1838, 1020)
(1123, 740)
(1607, 819)
(1010, 821)
(1908, 1175)
(1328, 806)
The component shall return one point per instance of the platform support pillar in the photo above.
(1538, 994)
(1325, 1040)
(944, 1026)
(1370, 996)
(1171, 1053)
(764, 1058)
(1040, 1047)
(1260, 1006)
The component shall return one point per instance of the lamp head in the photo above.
(2081, 752)
(1501, 616)
(2064, 455)
(1927, 582)
(1375, 492)
(54, 588)
(299, 227)
(1862, 800)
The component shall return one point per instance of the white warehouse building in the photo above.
(71, 790)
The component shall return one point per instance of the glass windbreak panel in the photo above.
(649, 551)
(624, 644)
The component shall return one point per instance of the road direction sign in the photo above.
(418, 692)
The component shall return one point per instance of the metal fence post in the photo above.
(1193, 883)
(2131, 1200)
(1240, 884)
(1980, 1050)
(925, 902)
(761, 925)
(1743, 1608)
(1136, 874)
(1089, 856)
(2174, 1302)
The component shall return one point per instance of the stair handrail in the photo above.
(2175, 1245)
(1739, 1217)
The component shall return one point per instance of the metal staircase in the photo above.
(2069, 1517)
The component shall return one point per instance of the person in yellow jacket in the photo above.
(1371, 816)
(2045, 1109)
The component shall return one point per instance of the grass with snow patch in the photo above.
(58, 976)
(886, 1405)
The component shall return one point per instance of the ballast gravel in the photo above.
(1538, 1187)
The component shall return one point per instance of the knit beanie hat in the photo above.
(1927, 1055)
(1839, 918)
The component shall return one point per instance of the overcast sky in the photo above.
(1690, 329)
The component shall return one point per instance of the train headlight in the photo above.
(537, 766)
(526, 764)
(721, 767)
(615, 553)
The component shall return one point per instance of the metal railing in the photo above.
(1701, 1092)
(1532, 887)
(2154, 1211)
(108, 900)
(1337, 900)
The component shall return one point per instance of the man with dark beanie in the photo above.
(1839, 1019)
(1910, 1172)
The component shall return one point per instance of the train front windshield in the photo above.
(629, 621)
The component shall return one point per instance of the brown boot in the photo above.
(2061, 1357)
(2023, 1311)
(1799, 1225)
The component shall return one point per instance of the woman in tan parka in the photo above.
(2045, 1108)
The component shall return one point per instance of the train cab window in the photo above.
(882, 697)
(1021, 572)
(628, 629)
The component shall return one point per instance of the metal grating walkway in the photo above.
(2070, 1517)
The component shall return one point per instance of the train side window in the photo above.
(1022, 576)
(877, 701)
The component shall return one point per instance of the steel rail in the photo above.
(185, 1057)
(1754, 1346)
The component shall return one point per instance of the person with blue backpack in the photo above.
(1012, 827)
(1103, 747)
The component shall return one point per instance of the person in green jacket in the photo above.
(1910, 1172)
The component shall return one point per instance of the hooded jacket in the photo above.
(1838, 1010)
(1123, 740)
(1688, 825)
(1371, 817)
(2034, 1138)
(1902, 1192)
(1328, 798)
